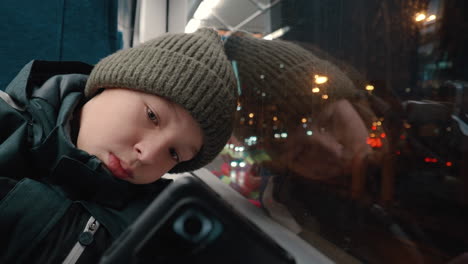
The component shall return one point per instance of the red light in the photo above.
(427, 159)
(379, 143)
(374, 142)
(383, 135)
(402, 137)
(398, 152)
(374, 128)
(434, 160)
(448, 163)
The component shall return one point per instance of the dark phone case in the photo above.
(189, 223)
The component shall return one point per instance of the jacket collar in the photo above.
(36, 72)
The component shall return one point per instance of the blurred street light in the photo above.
(431, 18)
(419, 17)
(320, 79)
(370, 87)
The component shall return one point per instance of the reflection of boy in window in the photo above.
(307, 112)
(316, 127)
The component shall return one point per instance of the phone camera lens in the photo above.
(192, 225)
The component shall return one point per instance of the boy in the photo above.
(81, 156)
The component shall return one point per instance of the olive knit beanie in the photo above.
(285, 75)
(189, 69)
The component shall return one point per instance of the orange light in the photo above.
(448, 164)
(374, 142)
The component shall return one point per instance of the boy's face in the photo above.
(138, 136)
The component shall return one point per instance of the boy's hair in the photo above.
(189, 69)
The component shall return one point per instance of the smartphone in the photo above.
(189, 223)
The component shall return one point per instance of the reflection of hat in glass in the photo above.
(189, 69)
(288, 76)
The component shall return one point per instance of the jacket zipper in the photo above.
(90, 228)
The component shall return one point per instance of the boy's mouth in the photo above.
(115, 166)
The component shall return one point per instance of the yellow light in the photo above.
(325, 96)
(315, 90)
(372, 135)
(251, 115)
(374, 123)
(379, 123)
(369, 87)
(431, 18)
(275, 118)
(420, 17)
(320, 79)
(303, 120)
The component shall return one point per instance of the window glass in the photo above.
(351, 127)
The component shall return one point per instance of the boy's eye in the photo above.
(174, 155)
(151, 115)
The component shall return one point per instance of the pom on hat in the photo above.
(189, 69)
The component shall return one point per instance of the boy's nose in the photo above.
(149, 153)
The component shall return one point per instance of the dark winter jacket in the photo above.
(55, 198)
